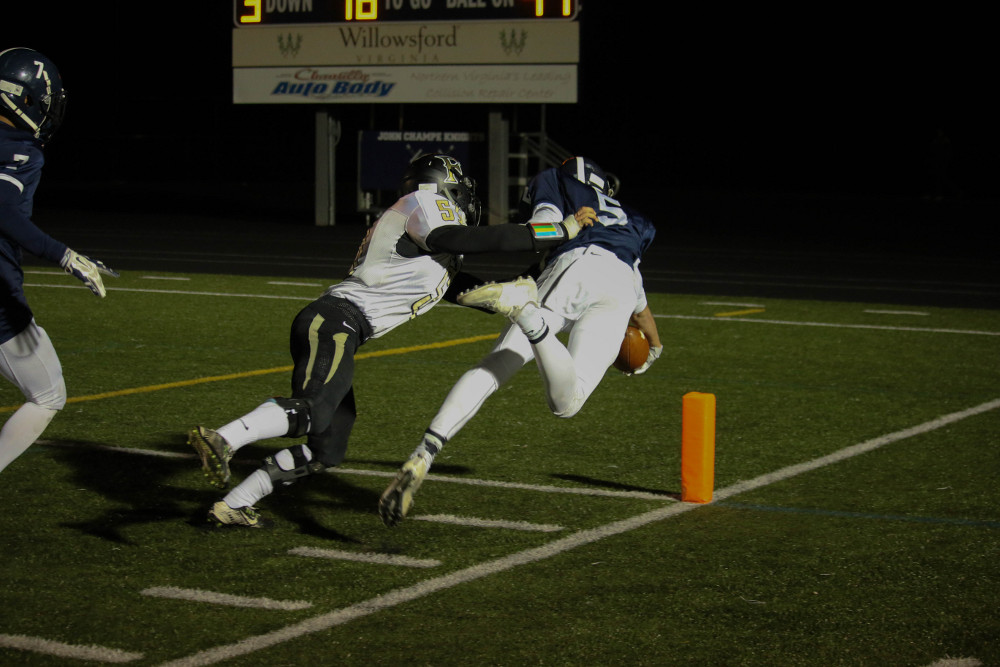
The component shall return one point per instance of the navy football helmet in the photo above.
(31, 92)
(443, 174)
(588, 172)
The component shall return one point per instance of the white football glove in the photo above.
(87, 270)
(654, 354)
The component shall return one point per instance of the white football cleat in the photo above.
(215, 454)
(505, 298)
(397, 500)
(222, 515)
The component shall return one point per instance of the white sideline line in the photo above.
(831, 325)
(731, 303)
(448, 305)
(489, 523)
(61, 650)
(180, 292)
(368, 557)
(581, 538)
(211, 597)
(897, 312)
(576, 491)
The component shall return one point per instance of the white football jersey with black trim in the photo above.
(395, 277)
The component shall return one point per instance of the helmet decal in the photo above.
(589, 173)
(31, 91)
(444, 175)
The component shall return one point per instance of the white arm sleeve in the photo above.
(546, 213)
(640, 292)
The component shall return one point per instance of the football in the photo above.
(633, 352)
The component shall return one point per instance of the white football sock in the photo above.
(428, 448)
(250, 490)
(268, 420)
(530, 321)
(22, 429)
(463, 401)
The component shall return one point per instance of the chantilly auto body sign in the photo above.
(278, 61)
(461, 84)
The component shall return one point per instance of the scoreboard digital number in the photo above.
(279, 12)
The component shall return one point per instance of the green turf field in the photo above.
(856, 518)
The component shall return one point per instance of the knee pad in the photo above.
(289, 465)
(572, 408)
(53, 398)
(298, 411)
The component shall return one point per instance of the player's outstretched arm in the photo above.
(531, 237)
(87, 270)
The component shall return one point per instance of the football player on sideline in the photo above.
(409, 260)
(32, 104)
(590, 287)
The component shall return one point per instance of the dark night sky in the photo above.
(842, 104)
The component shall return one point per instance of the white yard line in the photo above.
(473, 522)
(424, 588)
(211, 597)
(365, 557)
(61, 650)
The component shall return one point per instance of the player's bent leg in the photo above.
(558, 371)
(29, 361)
(22, 429)
(593, 345)
(330, 446)
(510, 353)
(276, 417)
(283, 469)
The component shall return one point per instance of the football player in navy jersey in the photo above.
(409, 260)
(32, 103)
(589, 286)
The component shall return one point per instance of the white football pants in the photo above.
(588, 292)
(30, 362)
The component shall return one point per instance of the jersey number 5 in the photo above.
(611, 212)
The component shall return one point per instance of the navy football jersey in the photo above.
(21, 164)
(621, 230)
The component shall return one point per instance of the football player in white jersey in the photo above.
(409, 260)
(590, 287)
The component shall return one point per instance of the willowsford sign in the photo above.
(373, 37)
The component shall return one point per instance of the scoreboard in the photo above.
(405, 51)
(286, 12)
